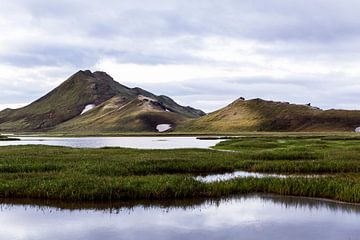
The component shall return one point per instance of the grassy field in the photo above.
(46, 172)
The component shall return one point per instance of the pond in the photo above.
(246, 217)
(126, 142)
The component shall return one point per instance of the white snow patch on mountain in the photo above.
(163, 127)
(87, 108)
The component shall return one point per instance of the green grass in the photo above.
(46, 172)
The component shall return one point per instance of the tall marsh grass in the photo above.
(46, 172)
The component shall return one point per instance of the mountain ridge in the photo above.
(70, 98)
(264, 115)
(94, 102)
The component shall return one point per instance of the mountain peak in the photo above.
(87, 72)
(101, 73)
(83, 73)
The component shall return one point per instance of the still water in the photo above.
(242, 174)
(127, 142)
(234, 175)
(247, 217)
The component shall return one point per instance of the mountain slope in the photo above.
(140, 114)
(170, 104)
(83, 90)
(261, 115)
(64, 102)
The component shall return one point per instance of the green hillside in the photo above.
(262, 115)
(139, 115)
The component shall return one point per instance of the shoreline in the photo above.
(182, 202)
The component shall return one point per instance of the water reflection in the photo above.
(243, 174)
(238, 174)
(247, 217)
(126, 142)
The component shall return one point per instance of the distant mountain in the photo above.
(262, 115)
(96, 101)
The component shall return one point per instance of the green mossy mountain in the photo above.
(142, 114)
(67, 102)
(261, 115)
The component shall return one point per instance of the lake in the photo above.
(246, 217)
(126, 142)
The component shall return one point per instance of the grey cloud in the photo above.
(81, 57)
(297, 23)
(308, 30)
(51, 56)
(274, 19)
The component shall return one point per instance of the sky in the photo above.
(203, 53)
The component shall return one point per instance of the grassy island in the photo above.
(46, 172)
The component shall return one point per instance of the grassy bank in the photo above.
(46, 172)
(5, 138)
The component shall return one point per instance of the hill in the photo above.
(142, 114)
(262, 115)
(82, 92)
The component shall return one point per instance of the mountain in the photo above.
(94, 102)
(92, 92)
(117, 114)
(262, 115)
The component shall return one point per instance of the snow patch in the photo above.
(357, 129)
(87, 108)
(163, 127)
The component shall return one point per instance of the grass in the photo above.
(46, 172)
(5, 138)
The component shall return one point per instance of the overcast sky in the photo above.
(203, 53)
